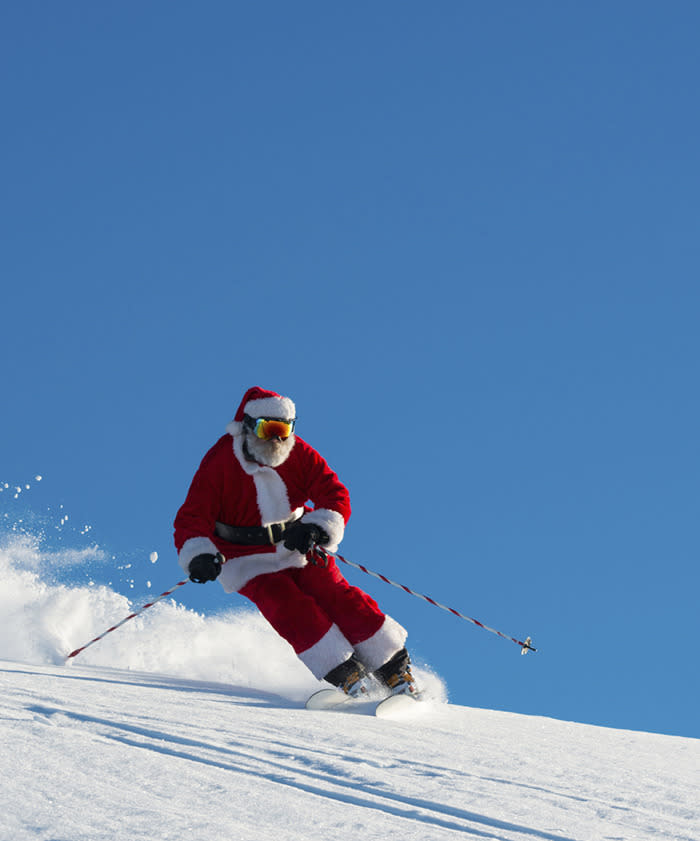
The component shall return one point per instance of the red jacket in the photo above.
(229, 488)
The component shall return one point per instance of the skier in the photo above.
(246, 520)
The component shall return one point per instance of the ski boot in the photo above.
(396, 675)
(351, 677)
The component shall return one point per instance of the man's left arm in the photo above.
(331, 503)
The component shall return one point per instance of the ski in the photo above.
(398, 706)
(328, 699)
(395, 706)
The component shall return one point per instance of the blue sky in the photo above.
(462, 237)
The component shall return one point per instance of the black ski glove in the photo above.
(302, 536)
(205, 567)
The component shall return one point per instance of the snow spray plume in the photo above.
(134, 614)
(320, 556)
(126, 619)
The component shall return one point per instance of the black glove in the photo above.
(302, 536)
(205, 567)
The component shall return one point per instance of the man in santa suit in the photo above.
(246, 521)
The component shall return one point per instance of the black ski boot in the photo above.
(396, 674)
(351, 677)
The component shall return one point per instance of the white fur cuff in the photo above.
(331, 522)
(330, 651)
(382, 645)
(193, 547)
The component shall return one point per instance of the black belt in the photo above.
(254, 535)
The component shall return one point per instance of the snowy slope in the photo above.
(184, 727)
(94, 753)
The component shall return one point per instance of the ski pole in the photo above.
(321, 556)
(126, 619)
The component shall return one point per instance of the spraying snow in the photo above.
(45, 621)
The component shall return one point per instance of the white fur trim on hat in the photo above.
(274, 406)
(234, 428)
(271, 407)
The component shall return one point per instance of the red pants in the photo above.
(303, 603)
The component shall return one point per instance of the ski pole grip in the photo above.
(318, 556)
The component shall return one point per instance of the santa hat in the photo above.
(261, 403)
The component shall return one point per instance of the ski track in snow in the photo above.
(172, 758)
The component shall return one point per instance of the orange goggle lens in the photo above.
(267, 428)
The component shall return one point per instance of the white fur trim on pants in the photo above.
(330, 651)
(382, 645)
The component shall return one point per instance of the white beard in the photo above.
(271, 453)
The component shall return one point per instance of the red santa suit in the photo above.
(323, 617)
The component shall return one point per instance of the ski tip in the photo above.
(327, 699)
(398, 706)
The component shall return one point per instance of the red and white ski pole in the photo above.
(321, 557)
(127, 618)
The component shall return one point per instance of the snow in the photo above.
(188, 727)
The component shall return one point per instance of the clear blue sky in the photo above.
(463, 237)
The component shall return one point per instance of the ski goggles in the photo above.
(267, 428)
